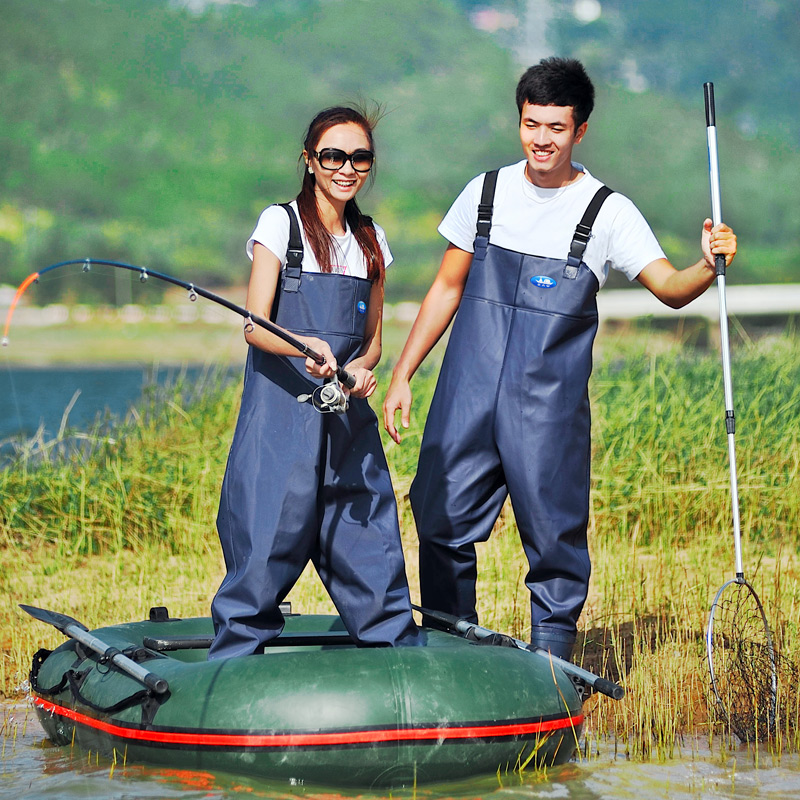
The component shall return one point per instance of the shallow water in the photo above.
(30, 767)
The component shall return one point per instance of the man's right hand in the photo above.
(435, 314)
(398, 396)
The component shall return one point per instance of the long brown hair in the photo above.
(321, 241)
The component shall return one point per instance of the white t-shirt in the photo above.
(347, 258)
(541, 222)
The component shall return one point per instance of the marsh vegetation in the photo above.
(129, 524)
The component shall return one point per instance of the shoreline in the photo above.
(111, 342)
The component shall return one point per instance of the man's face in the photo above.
(548, 135)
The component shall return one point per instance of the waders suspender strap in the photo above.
(484, 224)
(294, 253)
(583, 232)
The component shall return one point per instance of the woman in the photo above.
(302, 485)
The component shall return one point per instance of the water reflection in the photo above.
(32, 768)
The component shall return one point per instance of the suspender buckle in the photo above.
(486, 205)
(294, 257)
(293, 272)
(583, 232)
(484, 224)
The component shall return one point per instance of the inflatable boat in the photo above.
(313, 708)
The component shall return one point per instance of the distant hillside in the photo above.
(749, 48)
(145, 131)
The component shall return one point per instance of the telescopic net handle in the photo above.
(713, 168)
(719, 264)
(708, 91)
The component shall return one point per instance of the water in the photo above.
(31, 768)
(47, 399)
(33, 397)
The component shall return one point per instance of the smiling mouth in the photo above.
(345, 184)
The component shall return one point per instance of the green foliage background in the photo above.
(139, 130)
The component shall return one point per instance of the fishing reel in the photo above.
(330, 398)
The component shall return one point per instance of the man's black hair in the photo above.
(557, 82)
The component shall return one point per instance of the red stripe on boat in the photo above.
(308, 739)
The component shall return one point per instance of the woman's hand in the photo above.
(366, 382)
(321, 347)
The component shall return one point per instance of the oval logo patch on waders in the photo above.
(543, 282)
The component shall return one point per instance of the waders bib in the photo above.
(300, 485)
(510, 416)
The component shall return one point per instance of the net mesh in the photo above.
(743, 663)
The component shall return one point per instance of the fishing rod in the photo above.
(250, 319)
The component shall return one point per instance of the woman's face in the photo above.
(340, 184)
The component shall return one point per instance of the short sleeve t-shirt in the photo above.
(347, 258)
(541, 222)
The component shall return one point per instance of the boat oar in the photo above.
(80, 633)
(602, 685)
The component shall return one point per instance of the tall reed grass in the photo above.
(105, 534)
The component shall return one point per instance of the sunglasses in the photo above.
(332, 158)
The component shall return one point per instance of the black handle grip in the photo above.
(609, 688)
(158, 685)
(708, 91)
(345, 377)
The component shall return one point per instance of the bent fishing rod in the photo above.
(144, 273)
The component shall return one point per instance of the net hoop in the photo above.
(744, 732)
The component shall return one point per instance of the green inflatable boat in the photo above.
(313, 708)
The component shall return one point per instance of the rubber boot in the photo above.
(554, 640)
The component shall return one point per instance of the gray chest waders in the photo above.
(300, 485)
(510, 416)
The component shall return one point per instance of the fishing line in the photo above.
(250, 319)
(12, 384)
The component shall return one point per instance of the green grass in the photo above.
(106, 536)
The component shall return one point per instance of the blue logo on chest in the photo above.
(543, 282)
(362, 307)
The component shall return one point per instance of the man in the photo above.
(529, 246)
